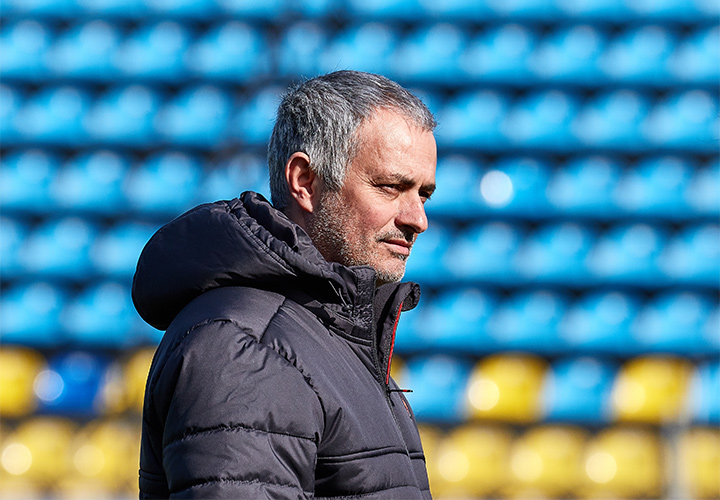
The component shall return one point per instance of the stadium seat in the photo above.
(528, 321)
(198, 116)
(384, 9)
(548, 460)
(612, 120)
(26, 178)
(584, 187)
(234, 51)
(124, 116)
(233, 176)
(703, 191)
(11, 102)
(458, 180)
(484, 252)
(599, 323)
(253, 122)
(524, 9)
(578, 390)
(252, 9)
(628, 253)
(135, 374)
(699, 462)
(693, 256)
(365, 47)
(438, 383)
(54, 115)
(639, 54)
(14, 232)
(115, 251)
(24, 45)
(704, 394)
(184, 9)
(86, 50)
(154, 51)
(696, 59)
(556, 253)
(569, 55)
(301, 47)
(30, 315)
(72, 385)
(499, 54)
(91, 183)
(625, 463)
(473, 120)
(662, 10)
(19, 366)
(314, 8)
(506, 387)
(164, 184)
(428, 254)
(651, 389)
(115, 9)
(686, 119)
(542, 120)
(430, 54)
(593, 10)
(673, 323)
(60, 248)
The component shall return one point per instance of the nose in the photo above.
(412, 215)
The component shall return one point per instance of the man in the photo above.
(273, 377)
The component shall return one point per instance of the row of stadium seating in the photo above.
(512, 387)
(416, 10)
(235, 51)
(50, 454)
(205, 116)
(105, 182)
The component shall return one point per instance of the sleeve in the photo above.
(242, 421)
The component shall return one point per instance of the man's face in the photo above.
(375, 218)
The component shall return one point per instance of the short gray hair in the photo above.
(321, 117)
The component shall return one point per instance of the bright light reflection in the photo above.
(484, 394)
(527, 465)
(453, 466)
(496, 188)
(601, 467)
(16, 459)
(48, 385)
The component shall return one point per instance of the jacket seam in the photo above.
(240, 481)
(359, 455)
(233, 428)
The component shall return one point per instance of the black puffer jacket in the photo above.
(272, 380)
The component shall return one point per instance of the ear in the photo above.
(303, 183)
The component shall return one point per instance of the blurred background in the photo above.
(568, 340)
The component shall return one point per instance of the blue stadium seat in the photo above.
(704, 394)
(365, 47)
(155, 51)
(663, 10)
(31, 315)
(687, 120)
(513, 185)
(300, 49)
(60, 248)
(613, 120)
(197, 116)
(696, 59)
(115, 9)
(24, 45)
(427, 260)
(693, 256)
(499, 54)
(26, 178)
(249, 9)
(72, 384)
(655, 187)
(165, 184)
(569, 55)
(11, 102)
(54, 115)
(673, 323)
(556, 253)
(201, 9)
(629, 254)
(702, 194)
(14, 232)
(243, 172)
(91, 183)
(438, 384)
(524, 9)
(593, 10)
(384, 9)
(542, 120)
(102, 315)
(599, 323)
(42, 8)
(485, 252)
(458, 180)
(584, 187)
(115, 251)
(234, 51)
(124, 116)
(430, 54)
(455, 9)
(639, 55)
(473, 120)
(86, 51)
(254, 120)
(528, 321)
(314, 8)
(578, 390)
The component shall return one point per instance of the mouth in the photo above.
(400, 247)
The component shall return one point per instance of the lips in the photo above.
(401, 247)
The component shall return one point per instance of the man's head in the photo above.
(352, 160)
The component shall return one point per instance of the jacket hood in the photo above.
(239, 242)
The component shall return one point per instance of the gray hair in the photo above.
(321, 117)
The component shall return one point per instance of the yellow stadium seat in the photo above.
(547, 461)
(18, 369)
(472, 461)
(136, 372)
(699, 463)
(38, 451)
(507, 388)
(651, 389)
(624, 463)
(430, 437)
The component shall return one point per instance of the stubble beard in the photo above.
(329, 229)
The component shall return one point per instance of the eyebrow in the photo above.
(407, 182)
